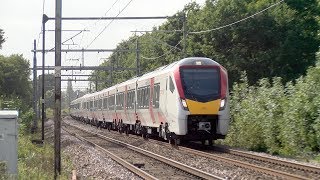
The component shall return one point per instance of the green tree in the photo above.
(70, 96)
(2, 40)
(281, 41)
(14, 78)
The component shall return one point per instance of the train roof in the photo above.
(182, 62)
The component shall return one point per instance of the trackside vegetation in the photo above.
(277, 118)
(34, 161)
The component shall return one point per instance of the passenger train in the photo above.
(187, 100)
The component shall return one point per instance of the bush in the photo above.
(26, 120)
(275, 118)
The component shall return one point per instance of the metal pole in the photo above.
(57, 97)
(35, 120)
(82, 57)
(43, 76)
(184, 35)
(138, 57)
(38, 98)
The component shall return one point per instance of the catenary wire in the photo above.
(43, 4)
(153, 58)
(163, 42)
(108, 24)
(95, 23)
(236, 22)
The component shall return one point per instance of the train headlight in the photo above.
(223, 104)
(184, 104)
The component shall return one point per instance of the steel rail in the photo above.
(295, 165)
(124, 163)
(178, 165)
(245, 165)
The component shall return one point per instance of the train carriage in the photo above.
(185, 100)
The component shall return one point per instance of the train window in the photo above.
(111, 101)
(122, 100)
(156, 96)
(119, 101)
(147, 97)
(139, 98)
(171, 85)
(130, 99)
(100, 104)
(105, 103)
(144, 96)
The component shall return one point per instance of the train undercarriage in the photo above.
(200, 128)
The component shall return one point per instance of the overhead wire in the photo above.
(95, 23)
(153, 58)
(236, 22)
(108, 24)
(163, 42)
(87, 27)
(43, 4)
(214, 29)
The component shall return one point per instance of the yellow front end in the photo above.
(207, 108)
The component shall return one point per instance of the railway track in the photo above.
(294, 165)
(263, 165)
(145, 164)
(276, 172)
(284, 169)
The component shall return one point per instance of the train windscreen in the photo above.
(201, 84)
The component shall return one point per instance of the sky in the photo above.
(21, 23)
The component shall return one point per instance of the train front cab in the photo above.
(203, 90)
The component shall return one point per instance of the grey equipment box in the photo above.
(9, 139)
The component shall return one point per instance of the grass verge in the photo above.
(37, 161)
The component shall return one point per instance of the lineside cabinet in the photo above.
(9, 139)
